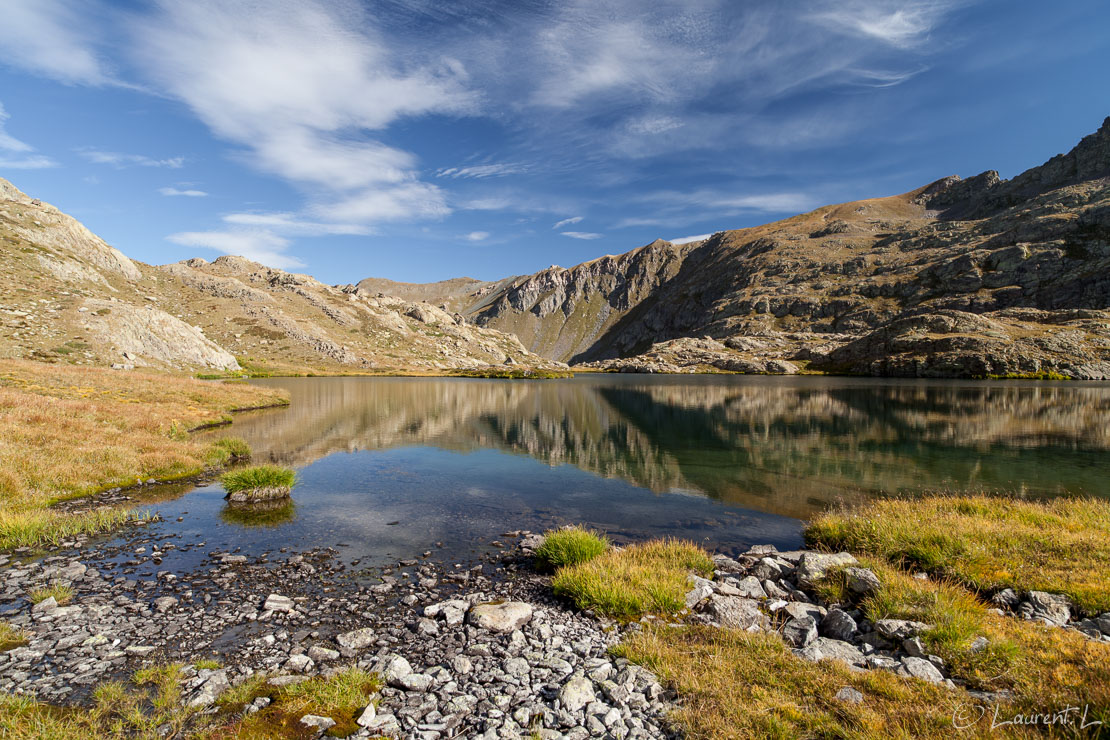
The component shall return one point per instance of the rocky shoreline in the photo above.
(479, 649)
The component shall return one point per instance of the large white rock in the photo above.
(504, 617)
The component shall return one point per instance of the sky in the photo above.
(420, 140)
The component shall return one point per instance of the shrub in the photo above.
(569, 546)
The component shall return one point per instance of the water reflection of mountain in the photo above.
(777, 445)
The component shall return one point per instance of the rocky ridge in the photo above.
(960, 278)
(69, 297)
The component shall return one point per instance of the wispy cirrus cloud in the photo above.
(482, 171)
(55, 38)
(187, 192)
(120, 160)
(588, 235)
(567, 222)
(477, 236)
(690, 239)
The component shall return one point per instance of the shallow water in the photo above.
(388, 467)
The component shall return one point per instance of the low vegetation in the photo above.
(149, 707)
(647, 578)
(71, 431)
(985, 543)
(11, 637)
(61, 593)
(258, 477)
(569, 546)
(233, 448)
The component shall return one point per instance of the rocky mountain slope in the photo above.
(66, 296)
(971, 277)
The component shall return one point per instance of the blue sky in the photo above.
(420, 139)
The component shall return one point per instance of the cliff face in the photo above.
(66, 296)
(958, 278)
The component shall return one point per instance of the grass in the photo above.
(647, 578)
(985, 543)
(207, 664)
(151, 701)
(62, 594)
(71, 431)
(258, 477)
(11, 637)
(232, 449)
(342, 697)
(569, 546)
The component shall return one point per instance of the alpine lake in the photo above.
(392, 468)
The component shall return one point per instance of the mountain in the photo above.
(959, 278)
(67, 296)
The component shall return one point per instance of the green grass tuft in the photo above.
(62, 594)
(258, 476)
(228, 449)
(648, 578)
(569, 546)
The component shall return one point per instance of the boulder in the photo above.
(923, 669)
(504, 617)
(735, 612)
(825, 649)
(1053, 609)
(813, 566)
(861, 581)
(576, 693)
(278, 603)
(839, 625)
(356, 639)
(800, 632)
(899, 629)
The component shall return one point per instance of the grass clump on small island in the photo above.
(61, 593)
(569, 546)
(11, 637)
(231, 449)
(985, 543)
(72, 431)
(646, 578)
(259, 478)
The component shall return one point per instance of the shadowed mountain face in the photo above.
(789, 446)
(961, 278)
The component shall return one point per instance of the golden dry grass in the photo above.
(645, 578)
(71, 431)
(986, 543)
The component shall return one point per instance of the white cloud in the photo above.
(24, 159)
(289, 223)
(896, 23)
(259, 245)
(567, 222)
(482, 171)
(581, 234)
(188, 193)
(51, 37)
(477, 236)
(120, 160)
(302, 85)
(713, 200)
(690, 239)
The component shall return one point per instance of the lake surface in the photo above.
(389, 467)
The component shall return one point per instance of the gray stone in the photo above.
(751, 588)
(923, 669)
(461, 664)
(899, 629)
(849, 695)
(298, 664)
(368, 715)
(800, 632)
(413, 682)
(317, 722)
(393, 668)
(767, 570)
(215, 683)
(978, 645)
(516, 667)
(734, 612)
(799, 609)
(278, 603)
(321, 654)
(825, 649)
(504, 617)
(813, 566)
(356, 639)
(701, 591)
(576, 693)
(914, 647)
(839, 625)
(1052, 609)
(46, 605)
(165, 603)
(1007, 598)
(861, 581)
